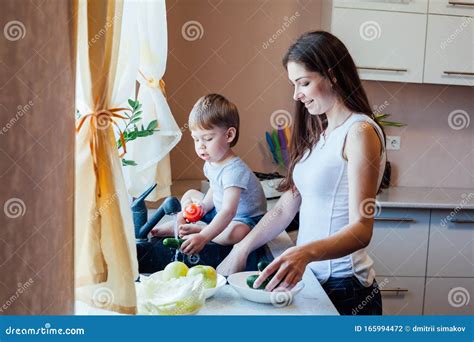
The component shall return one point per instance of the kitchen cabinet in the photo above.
(449, 296)
(451, 244)
(381, 50)
(450, 7)
(423, 251)
(402, 295)
(449, 50)
(408, 41)
(399, 242)
(413, 6)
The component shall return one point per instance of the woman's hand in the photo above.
(233, 263)
(289, 268)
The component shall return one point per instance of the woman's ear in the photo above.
(331, 74)
(230, 134)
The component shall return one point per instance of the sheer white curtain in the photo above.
(152, 153)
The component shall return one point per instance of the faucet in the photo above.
(153, 256)
(143, 226)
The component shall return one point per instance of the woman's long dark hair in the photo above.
(322, 52)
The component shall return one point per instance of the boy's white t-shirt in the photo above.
(236, 173)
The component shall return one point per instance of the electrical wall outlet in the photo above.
(393, 142)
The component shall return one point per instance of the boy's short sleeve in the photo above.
(235, 176)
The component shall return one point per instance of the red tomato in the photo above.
(193, 212)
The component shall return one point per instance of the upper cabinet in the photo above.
(417, 41)
(449, 50)
(462, 7)
(380, 48)
(410, 6)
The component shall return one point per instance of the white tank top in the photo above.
(321, 179)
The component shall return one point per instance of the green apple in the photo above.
(175, 269)
(208, 272)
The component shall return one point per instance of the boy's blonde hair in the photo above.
(215, 110)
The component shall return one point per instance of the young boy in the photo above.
(235, 201)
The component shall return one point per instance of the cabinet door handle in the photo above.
(397, 289)
(461, 221)
(394, 219)
(382, 69)
(462, 73)
(460, 3)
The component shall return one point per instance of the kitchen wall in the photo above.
(234, 47)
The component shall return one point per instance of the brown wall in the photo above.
(36, 158)
(235, 57)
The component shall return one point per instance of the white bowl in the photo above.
(208, 293)
(278, 298)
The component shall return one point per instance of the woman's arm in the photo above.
(363, 154)
(272, 224)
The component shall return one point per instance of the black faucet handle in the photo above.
(171, 205)
(139, 202)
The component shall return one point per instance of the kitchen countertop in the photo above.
(312, 300)
(429, 198)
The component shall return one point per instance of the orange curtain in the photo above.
(105, 253)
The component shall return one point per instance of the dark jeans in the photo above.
(350, 297)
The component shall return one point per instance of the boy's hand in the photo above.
(188, 228)
(180, 219)
(194, 244)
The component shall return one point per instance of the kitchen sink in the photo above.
(153, 256)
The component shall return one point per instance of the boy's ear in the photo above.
(230, 134)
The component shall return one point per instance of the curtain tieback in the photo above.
(154, 83)
(102, 119)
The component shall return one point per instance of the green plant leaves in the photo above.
(127, 162)
(131, 130)
(152, 125)
(380, 119)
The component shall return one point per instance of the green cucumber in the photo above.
(172, 243)
(262, 265)
(251, 279)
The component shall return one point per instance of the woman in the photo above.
(337, 163)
